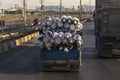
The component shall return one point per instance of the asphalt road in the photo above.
(21, 63)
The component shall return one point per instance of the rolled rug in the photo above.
(54, 34)
(41, 43)
(48, 21)
(60, 24)
(67, 35)
(57, 41)
(75, 21)
(79, 27)
(66, 26)
(71, 40)
(61, 35)
(48, 45)
(69, 20)
(72, 27)
(53, 26)
(79, 41)
(64, 19)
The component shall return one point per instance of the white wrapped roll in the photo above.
(72, 27)
(41, 44)
(57, 41)
(64, 41)
(69, 20)
(48, 21)
(53, 26)
(54, 34)
(79, 27)
(66, 25)
(79, 41)
(48, 45)
(68, 35)
(45, 40)
(75, 21)
(60, 25)
(61, 35)
(71, 40)
(64, 19)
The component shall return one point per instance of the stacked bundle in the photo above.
(61, 33)
(63, 23)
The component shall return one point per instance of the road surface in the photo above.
(21, 63)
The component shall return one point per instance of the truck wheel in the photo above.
(102, 49)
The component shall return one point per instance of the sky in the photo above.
(32, 3)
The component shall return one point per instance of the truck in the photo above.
(107, 28)
(60, 47)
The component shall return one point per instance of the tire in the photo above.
(103, 50)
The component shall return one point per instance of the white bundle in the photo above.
(57, 41)
(66, 25)
(68, 35)
(79, 41)
(54, 35)
(64, 19)
(72, 27)
(48, 45)
(69, 20)
(63, 35)
(75, 21)
(53, 26)
(48, 21)
(79, 27)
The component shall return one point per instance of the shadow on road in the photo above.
(20, 60)
(26, 59)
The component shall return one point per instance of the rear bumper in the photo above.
(60, 62)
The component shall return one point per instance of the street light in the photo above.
(80, 10)
(24, 14)
(60, 8)
(42, 6)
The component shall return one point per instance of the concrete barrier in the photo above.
(12, 44)
(18, 42)
(1, 48)
(5, 47)
(26, 39)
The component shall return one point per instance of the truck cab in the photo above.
(107, 31)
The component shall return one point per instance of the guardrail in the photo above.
(15, 26)
(17, 42)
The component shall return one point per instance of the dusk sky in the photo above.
(33, 3)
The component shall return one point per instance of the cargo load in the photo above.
(107, 28)
(61, 41)
(107, 4)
